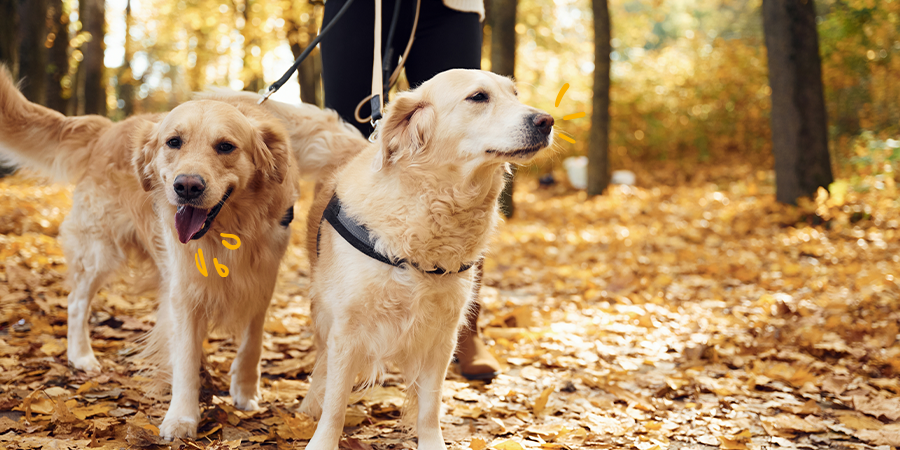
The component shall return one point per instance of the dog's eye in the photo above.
(175, 143)
(479, 97)
(224, 148)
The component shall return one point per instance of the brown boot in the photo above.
(475, 361)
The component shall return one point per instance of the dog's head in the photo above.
(461, 117)
(205, 151)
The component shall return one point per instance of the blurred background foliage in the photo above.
(689, 77)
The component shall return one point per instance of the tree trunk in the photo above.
(58, 56)
(598, 147)
(93, 19)
(9, 23)
(799, 133)
(252, 73)
(503, 62)
(310, 71)
(125, 79)
(32, 51)
(8, 50)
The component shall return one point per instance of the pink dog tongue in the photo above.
(188, 221)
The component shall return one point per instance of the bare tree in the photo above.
(310, 71)
(598, 147)
(125, 78)
(252, 73)
(32, 35)
(799, 133)
(9, 19)
(9, 23)
(93, 18)
(502, 17)
(57, 56)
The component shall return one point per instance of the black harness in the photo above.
(358, 236)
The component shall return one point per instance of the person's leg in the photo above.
(445, 39)
(347, 53)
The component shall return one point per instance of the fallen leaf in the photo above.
(860, 422)
(793, 423)
(541, 402)
(887, 435)
(354, 417)
(878, 406)
(508, 445)
(84, 412)
(61, 413)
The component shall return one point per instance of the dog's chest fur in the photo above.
(396, 312)
(251, 269)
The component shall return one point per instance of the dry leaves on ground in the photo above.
(700, 316)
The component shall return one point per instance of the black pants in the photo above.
(445, 39)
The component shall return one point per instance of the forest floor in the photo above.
(701, 315)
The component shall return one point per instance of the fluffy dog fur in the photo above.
(124, 205)
(427, 190)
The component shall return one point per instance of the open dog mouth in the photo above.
(517, 153)
(193, 223)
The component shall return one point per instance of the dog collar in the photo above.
(359, 237)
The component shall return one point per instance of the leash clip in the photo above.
(266, 96)
(374, 135)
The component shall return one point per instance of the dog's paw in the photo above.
(87, 362)
(244, 395)
(320, 442)
(431, 444)
(178, 427)
(245, 404)
(310, 407)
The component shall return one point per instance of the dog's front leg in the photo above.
(342, 369)
(428, 391)
(245, 368)
(188, 328)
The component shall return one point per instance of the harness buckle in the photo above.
(374, 135)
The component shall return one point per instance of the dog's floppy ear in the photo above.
(272, 153)
(407, 128)
(145, 144)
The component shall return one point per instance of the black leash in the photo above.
(287, 75)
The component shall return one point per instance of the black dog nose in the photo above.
(189, 187)
(543, 122)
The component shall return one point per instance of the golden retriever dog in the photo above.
(424, 197)
(202, 195)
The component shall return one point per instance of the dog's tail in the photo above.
(320, 140)
(42, 139)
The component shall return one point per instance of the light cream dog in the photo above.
(161, 188)
(427, 192)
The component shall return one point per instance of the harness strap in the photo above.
(359, 237)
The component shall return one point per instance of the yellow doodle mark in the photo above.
(201, 263)
(221, 268)
(559, 97)
(230, 246)
(562, 92)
